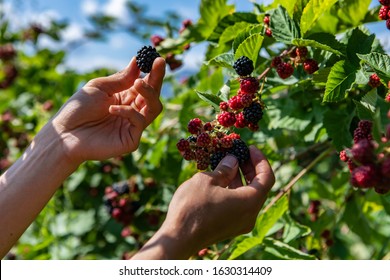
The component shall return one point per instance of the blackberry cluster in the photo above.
(145, 58)
(243, 66)
(297, 56)
(268, 31)
(384, 12)
(369, 161)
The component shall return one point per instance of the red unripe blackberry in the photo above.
(226, 142)
(343, 156)
(385, 2)
(383, 12)
(385, 168)
(383, 189)
(268, 32)
(246, 99)
(241, 122)
(285, 70)
(301, 52)
(203, 140)
(365, 127)
(314, 207)
(249, 85)
(374, 81)
(243, 66)
(363, 151)
(253, 126)
(310, 66)
(388, 23)
(202, 165)
(235, 103)
(208, 126)
(227, 119)
(224, 106)
(156, 40)
(216, 158)
(276, 61)
(202, 155)
(183, 145)
(116, 213)
(387, 97)
(240, 150)
(266, 20)
(145, 58)
(234, 136)
(189, 155)
(186, 23)
(194, 126)
(7, 52)
(364, 176)
(253, 113)
(203, 252)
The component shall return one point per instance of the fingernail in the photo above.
(114, 108)
(229, 161)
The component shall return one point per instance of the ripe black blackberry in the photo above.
(121, 187)
(216, 158)
(243, 66)
(145, 57)
(240, 150)
(253, 113)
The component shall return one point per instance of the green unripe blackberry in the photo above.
(145, 58)
(240, 150)
(253, 113)
(243, 66)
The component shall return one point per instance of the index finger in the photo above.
(156, 76)
(264, 177)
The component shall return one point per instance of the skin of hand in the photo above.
(103, 119)
(211, 207)
(108, 115)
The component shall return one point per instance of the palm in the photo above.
(92, 132)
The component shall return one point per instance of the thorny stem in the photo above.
(297, 177)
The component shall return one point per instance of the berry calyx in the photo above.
(243, 66)
(310, 66)
(285, 70)
(145, 58)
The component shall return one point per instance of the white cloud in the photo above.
(72, 32)
(116, 8)
(89, 7)
(383, 37)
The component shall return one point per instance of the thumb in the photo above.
(226, 171)
(117, 82)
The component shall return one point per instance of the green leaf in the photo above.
(230, 33)
(353, 12)
(242, 36)
(211, 12)
(337, 124)
(284, 28)
(285, 251)
(211, 99)
(340, 80)
(229, 21)
(250, 47)
(293, 230)
(263, 224)
(76, 179)
(379, 62)
(359, 43)
(317, 45)
(289, 5)
(313, 10)
(366, 106)
(225, 60)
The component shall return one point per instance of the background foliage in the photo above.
(309, 118)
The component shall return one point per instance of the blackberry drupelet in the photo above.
(240, 150)
(253, 113)
(216, 158)
(243, 66)
(145, 57)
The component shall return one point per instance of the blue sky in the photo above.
(120, 47)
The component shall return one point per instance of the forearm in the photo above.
(30, 183)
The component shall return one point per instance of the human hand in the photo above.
(211, 207)
(107, 116)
